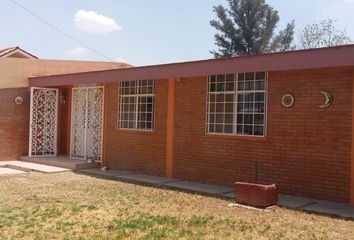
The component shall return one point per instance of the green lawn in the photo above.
(73, 206)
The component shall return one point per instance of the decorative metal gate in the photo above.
(43, 122)
(87, 123)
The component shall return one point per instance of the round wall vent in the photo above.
(18, 100)
(288, 100)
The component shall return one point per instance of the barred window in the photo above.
(136, 105)
(237, 104)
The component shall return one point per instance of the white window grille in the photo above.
(136, 105)
(236, 104)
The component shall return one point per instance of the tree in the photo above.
(323, 34)
(247, 27)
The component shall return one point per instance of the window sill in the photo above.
(229, 136)
(136, 131)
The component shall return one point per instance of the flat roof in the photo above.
(339, 56)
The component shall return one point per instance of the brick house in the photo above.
(284, 118)
(16, 65)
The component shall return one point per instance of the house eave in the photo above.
(340, 56)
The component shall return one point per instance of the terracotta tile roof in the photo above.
(6, 51)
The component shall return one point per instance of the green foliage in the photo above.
(198, 221)
(247, 27)
(51, 212)
(323, 34)
(78, 208)
(156, 226)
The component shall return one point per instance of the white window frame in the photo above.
(136, 96)
(235, 110)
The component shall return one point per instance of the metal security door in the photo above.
(43, 122)
(87, 123)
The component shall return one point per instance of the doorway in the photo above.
(43, 122)
(87, 113)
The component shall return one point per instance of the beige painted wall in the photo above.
(14, 72)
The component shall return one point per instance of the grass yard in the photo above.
(73, 206)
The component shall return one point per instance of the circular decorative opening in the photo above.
(18, 100)
(288, 100)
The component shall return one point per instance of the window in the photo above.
(237, 104)
(136, 105)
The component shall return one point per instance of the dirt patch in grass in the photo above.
(73, 206)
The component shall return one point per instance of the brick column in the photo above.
(170, 127)
(352, 157)
(105, 122)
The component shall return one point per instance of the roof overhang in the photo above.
(342, 56)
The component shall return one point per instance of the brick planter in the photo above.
(256, 195)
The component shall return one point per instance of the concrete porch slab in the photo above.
(327, 207)
(199, 187)
(148, 179)
(26, 166)
(110, 173)
(8, 171)
(3, 163)
(60, 162)
(294, 201)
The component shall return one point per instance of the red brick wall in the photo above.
(141, 151)
(14, 123)
(307, 150)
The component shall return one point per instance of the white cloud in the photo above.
(78, 51)
(94, 23)
(119, 59)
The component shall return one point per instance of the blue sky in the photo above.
(140, 32)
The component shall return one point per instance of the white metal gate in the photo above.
(87, 123)
(43, 122)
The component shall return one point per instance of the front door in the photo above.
(43, 122)
(87, 123)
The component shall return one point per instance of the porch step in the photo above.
(61, 161)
